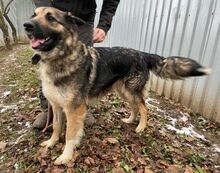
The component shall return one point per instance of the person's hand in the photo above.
(98, 35)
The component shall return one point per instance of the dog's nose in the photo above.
(28, 26)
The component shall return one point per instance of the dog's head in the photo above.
(48, 26)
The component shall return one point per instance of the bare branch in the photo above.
(7, 11)
(6, 7)
(2, 6)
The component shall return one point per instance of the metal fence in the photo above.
(189, 28)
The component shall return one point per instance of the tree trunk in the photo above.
(14, 32)
(4, 28)
(5, 11)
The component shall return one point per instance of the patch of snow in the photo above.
(21, 101)
(3, 110)
(16, 166)
(216, 148)
(22, 132)
(34, 98)
(9, 128)
(172, 120)
(20, 137)
(28, 124)
(8, 107)
(152, 100)
(24, 97)
(187, 144)
(12, 85)
(186, 130)
(2, 157)
(184, 118)
(148, 100)
(6, 93)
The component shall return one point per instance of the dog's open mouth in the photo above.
(44, 43)
(37, 42)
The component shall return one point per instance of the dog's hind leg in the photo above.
(128, 97)
(133, 115)
(143, 119)
(137, 104)
(74, 132)
(57, 126)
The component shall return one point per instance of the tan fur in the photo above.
(74, 131)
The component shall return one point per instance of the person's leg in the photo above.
(85, 33)
(41, 118)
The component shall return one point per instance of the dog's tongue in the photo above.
(35, 42)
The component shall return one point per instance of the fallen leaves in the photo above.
(118, 170)
(142, 161)
(89, 161)
(148, 170)
(174, 169)
(110, 140)
(162, 164)
(189, 138)
(42, 155)
(2, 146)
(188, 169)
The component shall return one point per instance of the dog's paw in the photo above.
(48, 144)
(63, 159)
(139, 129)
(127, 120)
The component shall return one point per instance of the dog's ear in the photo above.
(35, 59)
(74, 20)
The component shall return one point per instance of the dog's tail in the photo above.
(175, 67)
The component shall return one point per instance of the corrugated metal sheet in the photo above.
(189, 28)
(24, 9)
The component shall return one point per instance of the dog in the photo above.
(73, 74)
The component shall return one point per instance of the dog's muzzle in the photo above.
(38, 39)
(29, 26)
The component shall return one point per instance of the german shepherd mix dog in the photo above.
(73, 74)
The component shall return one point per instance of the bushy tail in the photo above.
(176, 67)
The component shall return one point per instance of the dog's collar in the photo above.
(35, 59)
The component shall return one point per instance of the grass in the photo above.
(22, 82)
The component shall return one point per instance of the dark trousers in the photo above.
(85, 33)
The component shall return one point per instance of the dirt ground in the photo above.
(176, 140)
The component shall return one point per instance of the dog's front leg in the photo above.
(57, 126)
(74, 132)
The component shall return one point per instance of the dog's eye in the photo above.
(33, 15)
(50, 18)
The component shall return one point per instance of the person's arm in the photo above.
(108, 11)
